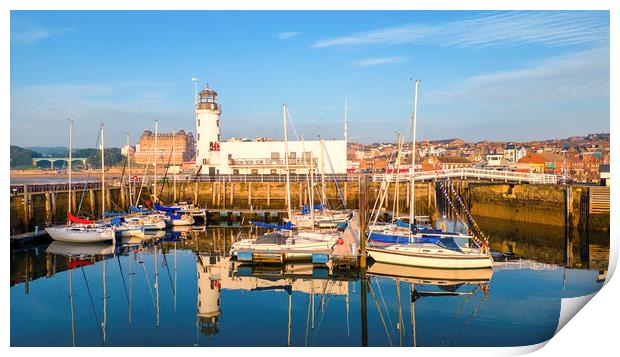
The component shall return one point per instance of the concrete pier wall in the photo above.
(541, 204)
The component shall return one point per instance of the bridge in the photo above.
(51, 160)
(460, 173)
(468, 173)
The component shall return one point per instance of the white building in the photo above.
(258, 157)
(127, 150)
(514, 154)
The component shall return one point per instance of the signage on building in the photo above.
(214, 146)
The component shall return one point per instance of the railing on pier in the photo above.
(475, 174)
(55, 187)
(461, 173)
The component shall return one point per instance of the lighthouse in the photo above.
(208, 112)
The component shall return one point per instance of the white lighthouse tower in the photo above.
(208, 112)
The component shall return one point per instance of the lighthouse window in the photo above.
(198, 136)
(198, 122)
(217, 122)
(218, 137)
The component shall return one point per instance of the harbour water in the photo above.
(181, 290)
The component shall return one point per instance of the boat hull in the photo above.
(66, 234)
(464, 261)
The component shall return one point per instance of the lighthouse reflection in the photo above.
(208, 306)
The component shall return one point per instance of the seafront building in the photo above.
(258, 157)
(169, 148)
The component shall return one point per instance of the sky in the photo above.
(485, 75)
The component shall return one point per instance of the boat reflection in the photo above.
(424, 283)
(80, 255)
(217, 272)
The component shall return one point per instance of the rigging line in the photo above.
(377, 210)
(92, 303)
(307, 321)
(290, 119)
(168, 269)
(90, 170)
(387, 312)
(144, 179)
(279, 122)
(459, 311)
(329, 161)
(471, 316)
(318, 327)
(161, 191)
(380, 314)
(120, 268)
(148, 281)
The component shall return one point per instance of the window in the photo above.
(197, 152)
(217, 122)
(292, 155)
(204, 161)
(254, 171)
(274, 172)
(292, 171)
(235, 171)
(218, 137)
(198, 122)
(275, 156)
(198, 136)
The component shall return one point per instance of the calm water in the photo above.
(181, 290)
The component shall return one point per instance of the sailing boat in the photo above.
(298, 245)
(79, 230)
(320, 215)
(424, 247)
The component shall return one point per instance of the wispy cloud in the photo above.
(379, 60)
(577, 75)
(29, 36)
(287, 35)
(551, 28)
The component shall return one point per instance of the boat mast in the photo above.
(174, 175)
(288, 179)
(129, 171)
(346, 126)
(155, 162)
(70, 159)
(102, 175)
(396, 210)
(311, 190)
(105, 300)
(412, 171)
(156, 284)
(413, 327)
(72, 310)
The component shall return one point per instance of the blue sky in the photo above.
(485, 75)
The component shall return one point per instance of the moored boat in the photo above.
(81, 233)
(444, 253)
